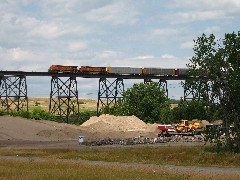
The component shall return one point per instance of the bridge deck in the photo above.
(90, 75)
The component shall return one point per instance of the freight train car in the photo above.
(181, 72)
(124, 70)
(90, 69)
(158, 71)
(61, 68)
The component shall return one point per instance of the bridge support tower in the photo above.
(64, 99)
(193, 94)
(109, 93)
(162, 84)
(13, 93)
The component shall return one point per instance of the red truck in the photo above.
(166, 128)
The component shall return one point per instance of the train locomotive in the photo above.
(119, 70)
(61, 68)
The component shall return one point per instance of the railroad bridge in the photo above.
(64, 93)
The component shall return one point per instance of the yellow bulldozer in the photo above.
(185, 126)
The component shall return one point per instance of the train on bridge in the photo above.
(119, 70)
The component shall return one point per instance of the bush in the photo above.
(39, 114)
(3, 113)
(21, 113)
(84, 116)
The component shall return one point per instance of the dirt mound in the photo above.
(15, 128)
(115, 123)
(120, 126)
(105, 126)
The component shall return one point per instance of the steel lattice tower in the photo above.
(191, 94)
(109, 93)
(194, 94)
(13, 93)
(162, 84)
(64, 99)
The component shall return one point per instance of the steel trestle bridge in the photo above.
(64, 101)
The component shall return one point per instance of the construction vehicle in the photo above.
(166, 130)
(166, 127)
(185, 126)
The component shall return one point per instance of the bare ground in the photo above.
(16, 132)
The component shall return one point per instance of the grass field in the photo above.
(64, 164)
(43, 103)
(70, 170)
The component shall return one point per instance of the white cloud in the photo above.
(76, 46)
(24, 60)
(7, 17)
(167, 56)
(107, 54)
(212, 30)
(208, 4)
(116, 13)
(166, 31)
(15, 54)
(144, 57)
(66, 8)
(193, 16)
(48, 30)
(163, 61)
(203, 10)
(187, 45)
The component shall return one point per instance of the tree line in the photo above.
(149, 103)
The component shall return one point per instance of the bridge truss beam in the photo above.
(64, 99)
(162, 84)
(193, 94)
(109, 93)
(13, 93)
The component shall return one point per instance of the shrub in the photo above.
(39, 114)
(3, 113)
(22, 113)
(84, 116)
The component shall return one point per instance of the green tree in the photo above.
(145, 101)
(191, 110)
(220, 61)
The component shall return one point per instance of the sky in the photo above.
(137, 33)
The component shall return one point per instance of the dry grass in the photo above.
(170, 155)
(174, 106)
(43, 103)
(178, 155)
(68, 164)
(51, 169)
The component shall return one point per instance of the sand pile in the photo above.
(118, 124)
